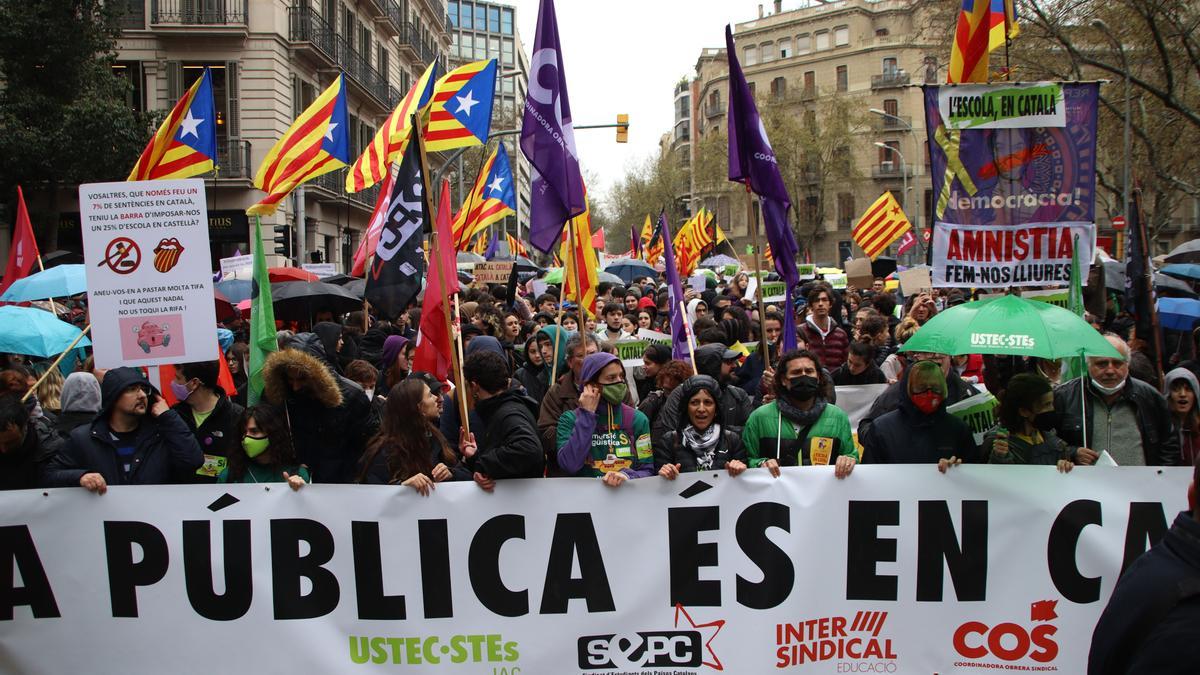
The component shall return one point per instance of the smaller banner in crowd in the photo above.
(149, 280)
(984, 256)
(1008, 106)
(978, 411)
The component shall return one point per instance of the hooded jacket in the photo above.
(164, 449)
(217, 436)
(673, 449)
(1159, 443)
(735, 404)
(1189, 441)
(21, 468)
(331, 419)
(613, 438)
(890, 399)
(80, 401)
(329, 333)
(508, 446)
(450, 423)
(531, 376)
(908, 436)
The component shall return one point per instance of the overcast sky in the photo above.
(625, 56)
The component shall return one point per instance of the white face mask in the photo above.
(1108, 391)
(370, 394)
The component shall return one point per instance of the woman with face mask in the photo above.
(264, 453)
(1182, 392)
(698, 441)
(800, 427)
(604, 437)
(920, 431)
(1028, 418)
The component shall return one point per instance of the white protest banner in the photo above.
(978, 411)
(322, 270)
(893, 570)
(150, 291)
(856, 400)
(982, 256)
(237, 267)
(492, 272)
(1003, 105)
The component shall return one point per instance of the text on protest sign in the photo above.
(980, 256)
(1008, 106)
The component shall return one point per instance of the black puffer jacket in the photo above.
(331, 419)
(21, 468)
(673, 450)
(509, 446)
(1160, 445)
(889, 400)
(734, 403)
(219, 433)
(908, 436)
(165, 451)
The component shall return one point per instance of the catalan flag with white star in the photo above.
(315, 144)
(388, 144)
(461, 112)
(883, 223)
(492, 198)
(185, 144)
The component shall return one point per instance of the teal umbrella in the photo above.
(35, 332)
(1010, 325)
(55, 282)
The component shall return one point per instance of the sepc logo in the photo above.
(687, 646)
(1009, 641)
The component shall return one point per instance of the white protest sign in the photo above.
(322, 270)
(237, 267)
(150, 291)
(697, 282)
(984, 256)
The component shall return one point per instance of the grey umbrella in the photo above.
(1179, 287)
(1187, 252)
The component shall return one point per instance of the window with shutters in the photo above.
(822, 39)
(891, 106)
(383, 63)
(750, 55)
(810, 83)
(778, 88)
(768, 51)
(845, 209)
(890, 66)
(348, 25)
(843, 78)
(785, 48)
(803, 44)
(841, 36)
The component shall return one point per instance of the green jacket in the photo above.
(592, 444)
(767, 429)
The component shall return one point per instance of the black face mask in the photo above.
(1047, 421)
(804, 388)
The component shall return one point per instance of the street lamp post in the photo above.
(903, 172)
(1103, 28)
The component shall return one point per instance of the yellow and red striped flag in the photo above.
(461, 112)
(652, 244)
(981, 30)
(883, 223)
(516, 247)
(492, 198)
(388, 144)
(692, 240)
(316, 143)
(579, 254)
(185, 144)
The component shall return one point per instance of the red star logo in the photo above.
(895, 210)
(715, 625)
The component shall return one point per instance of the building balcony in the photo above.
(711, 111)
(307, 26)
(331, 188)
(194, 14)
(808, 94)
(891, 124)
(233, 159)
(895, 78)
(889, 170)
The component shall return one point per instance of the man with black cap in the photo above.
(717, 361)
(136, 439)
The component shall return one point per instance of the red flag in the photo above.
(598, 239)
(906, 242)
(24, 247)
(371, 239)
(433, 340)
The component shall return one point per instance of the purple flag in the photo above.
(548, 139)
(494, 245)
(681, 333)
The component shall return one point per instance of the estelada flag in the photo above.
(491, 200)
(388, 144)
(461, 112)
(652, 243)
(317, 142)
(579, 256)
(980, 31)
(883, 223)
(185, 144)
(24, 249)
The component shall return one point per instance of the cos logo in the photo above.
(1006, 641)
(641, 650)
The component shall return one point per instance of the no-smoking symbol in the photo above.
(122, 255)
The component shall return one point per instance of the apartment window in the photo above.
(467, 46)
(752, 90)
(493, 48)
(506, 51)
(383, 63)
(135, 97)
(810, 120)
(364, 41)
(768, 51)
(329, 12)
(480, 17)
(778, 88)
(891, 106)
(843, 78)
(887, 156)
(452, 9)
(890, 66)
(465, 14)
(480, 47)
(454, 44)
(845, 209)
(841, 36)
(493, 19)
(181, 76)
(684, 108)
(803, 44)
(810, 82)
(506, 85)
(822, 40)
(785, 48)
(348, 26)
(714, 101)
(881, 32)
(750, 56)
(506, 21)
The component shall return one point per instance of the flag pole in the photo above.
(762, 307)
(42, 268)
(56, 362)
(688, 330)
(455, 364)
(557, 338)
(471, 197)
(575, 267)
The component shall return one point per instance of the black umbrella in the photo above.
(1188, 252)
(883, 266)
(300, 300)
(338, 279)
(356, 287)
(61, 257)
(1177, 287)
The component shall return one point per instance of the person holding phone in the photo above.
(135, 439)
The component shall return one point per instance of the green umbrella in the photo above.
(1010, 325)
(553, 275)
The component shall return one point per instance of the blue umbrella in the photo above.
(1182, 271)
(1178, 313)
(56, 282)
(235, 290)
(35, 332)
(629, 269)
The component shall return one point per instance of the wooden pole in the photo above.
(690, 338)
(762, 307)
(557, 340)
(42, 268)
(57, 361)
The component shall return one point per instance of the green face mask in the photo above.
(614, 393)
(255, 446)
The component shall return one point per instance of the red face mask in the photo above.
(927, 401)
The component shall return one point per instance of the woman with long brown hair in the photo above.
(409, 449)
(265, 453)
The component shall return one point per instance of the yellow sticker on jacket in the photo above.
(644, 449)
(820, 449)
(213, 466)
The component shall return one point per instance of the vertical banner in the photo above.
(1009, 156)
(146, 250)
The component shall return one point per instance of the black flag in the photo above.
(1139, 292)
(394, 278)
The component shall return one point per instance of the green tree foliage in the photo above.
(658, 182)
(63, 111)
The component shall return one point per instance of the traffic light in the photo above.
(283, 240)
(622, 128)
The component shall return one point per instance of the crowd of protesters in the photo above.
(546, 395)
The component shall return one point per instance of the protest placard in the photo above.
(322, 270)
(492, 272)
(146, 250)
(237, 267)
